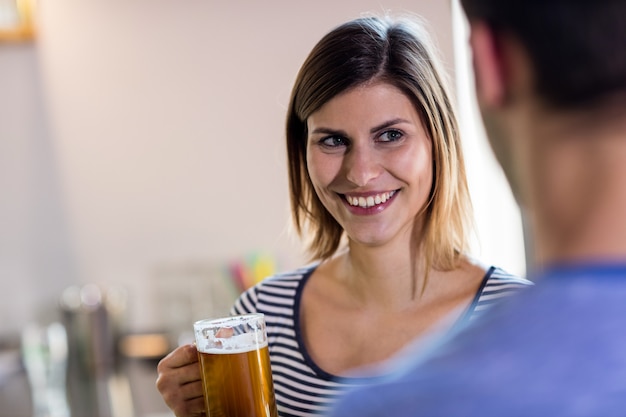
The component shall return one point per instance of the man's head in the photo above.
(533, 58)
(551, 84)
(577, 47)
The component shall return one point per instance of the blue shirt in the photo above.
(556, 349)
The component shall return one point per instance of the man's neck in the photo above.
(580, 192)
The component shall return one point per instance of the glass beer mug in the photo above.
(235, 365)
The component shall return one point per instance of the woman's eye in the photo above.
(391, 136)
(333, 141)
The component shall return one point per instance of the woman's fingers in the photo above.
(179, 382)
(181, 356)
(189, 401)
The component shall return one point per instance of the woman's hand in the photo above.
(179, 382)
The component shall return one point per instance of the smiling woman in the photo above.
(378, 190)
(415, 70)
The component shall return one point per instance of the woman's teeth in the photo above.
(369, 201)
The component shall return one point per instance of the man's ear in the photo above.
(489, 68)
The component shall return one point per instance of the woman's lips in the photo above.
(369, 203)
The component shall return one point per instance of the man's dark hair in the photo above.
(578, 47)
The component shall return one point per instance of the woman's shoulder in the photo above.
(498, 277)
(276, 290)
(493, 275)
(280, 285)
(287, 278)
(498, 284)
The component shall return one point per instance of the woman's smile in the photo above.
(368, 203)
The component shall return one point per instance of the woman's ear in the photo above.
(489, 68)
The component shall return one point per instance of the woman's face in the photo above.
(369, 159)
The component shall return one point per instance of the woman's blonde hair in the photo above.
(401, 53)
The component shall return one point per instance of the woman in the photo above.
(378, 186)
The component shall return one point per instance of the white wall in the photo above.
(139, 133)
(35, 254)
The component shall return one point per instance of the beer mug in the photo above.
(235, 366)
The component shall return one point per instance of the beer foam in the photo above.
(236, 344)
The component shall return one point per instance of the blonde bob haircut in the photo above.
(400, 52)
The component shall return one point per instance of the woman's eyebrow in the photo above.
(328, 131)
(384, 125)
(387, 124)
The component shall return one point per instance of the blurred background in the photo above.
(143, 177)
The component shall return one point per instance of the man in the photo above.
(551, 84)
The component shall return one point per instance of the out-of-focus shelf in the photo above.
(140, 374)
(144, 346)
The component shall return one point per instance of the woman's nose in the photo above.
(361, 165)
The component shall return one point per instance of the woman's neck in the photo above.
(387, 276)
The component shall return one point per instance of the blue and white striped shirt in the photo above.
(302, 388)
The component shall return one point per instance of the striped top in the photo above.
(302, 388)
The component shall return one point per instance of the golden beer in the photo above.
(238, 384)
(235, 367)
